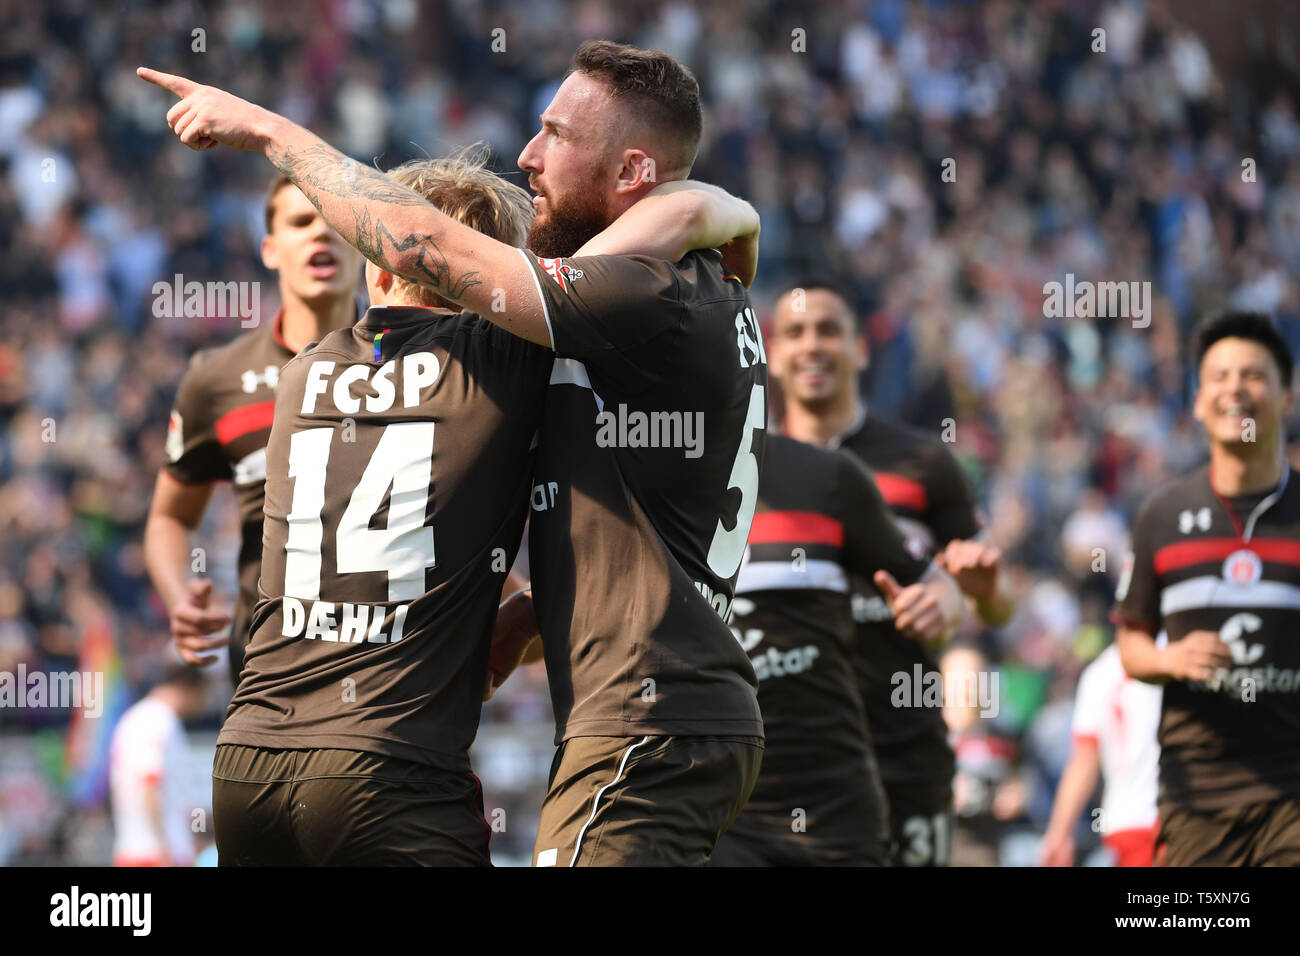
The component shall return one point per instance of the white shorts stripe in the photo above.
(577, 846)
(1212, 591)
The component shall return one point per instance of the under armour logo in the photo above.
(250, 379)
(1187, 520)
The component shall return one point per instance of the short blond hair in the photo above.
(462, 187)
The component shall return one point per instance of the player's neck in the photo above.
(818, 426)
(1233, 474)
(303, 324)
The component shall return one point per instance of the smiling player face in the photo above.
(314, 263)
(1240, 384)
(815, 351)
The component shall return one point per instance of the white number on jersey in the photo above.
(404, 548)
(728, 547)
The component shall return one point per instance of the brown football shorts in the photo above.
(921, 823)
(644, 801)
(1261, 834)
(343, 808)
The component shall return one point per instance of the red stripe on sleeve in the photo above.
(795, 527)
(241, 421)
(900, 492)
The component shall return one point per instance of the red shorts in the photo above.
(1133, 847)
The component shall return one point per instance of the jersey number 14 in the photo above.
(403, 548)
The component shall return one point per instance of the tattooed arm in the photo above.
(392, 226)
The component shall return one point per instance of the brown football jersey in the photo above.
(820, 521)
(218, 431)
(644, 489)
(397, 486)
(931, 500)
(1202, 562)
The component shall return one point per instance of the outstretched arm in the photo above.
(392, 226)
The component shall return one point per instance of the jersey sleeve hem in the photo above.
(1132, 623)
(537, 284)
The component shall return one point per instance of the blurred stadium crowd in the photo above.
(1117, 166)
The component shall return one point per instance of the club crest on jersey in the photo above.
(562, 274)
(1243, 568)
(250, 379)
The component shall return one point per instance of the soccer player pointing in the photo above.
(635, 543)
(1216, 564)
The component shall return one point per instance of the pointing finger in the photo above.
(168, 81)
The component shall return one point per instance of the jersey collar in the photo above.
(277, 331)
(1245, 531)
(859, 420)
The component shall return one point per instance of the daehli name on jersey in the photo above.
(342, 623)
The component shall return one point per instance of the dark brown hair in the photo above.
(661, 93)
(278, 183)
(1254, 326)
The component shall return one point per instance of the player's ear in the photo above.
(637, 171)
(1199, 402)
(864, 352)
(270, 253)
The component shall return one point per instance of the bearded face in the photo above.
(565, 222)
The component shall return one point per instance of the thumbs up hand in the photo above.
(918, 611)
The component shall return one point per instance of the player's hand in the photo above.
(1057, 849)
(207, 116)
(192, 620)
(975, 566)
(740, 258)
(1196, 656)
(917, 610)
(513, 636)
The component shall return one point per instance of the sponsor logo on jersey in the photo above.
(1243, 568)
(1244, 681)
(871, 609)
(772, 662)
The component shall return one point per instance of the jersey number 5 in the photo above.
(404, 548)
(728, 547)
